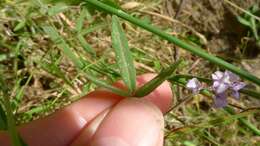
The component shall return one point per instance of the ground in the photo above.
(42, 79)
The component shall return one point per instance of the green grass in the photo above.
(52, 54)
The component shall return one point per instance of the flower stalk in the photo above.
(195, 50)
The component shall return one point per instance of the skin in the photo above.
(102, 118)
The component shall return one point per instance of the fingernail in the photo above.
(92, 127)
(88, 131)
(132, 122)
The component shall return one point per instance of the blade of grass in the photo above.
(15, 138)
(20, 92)
(123, 55)
(195, 50)
(52, 32)
(106, 85)
(156, 81)
(251, 93)
(3, 119)
(93, 28)
(80, 20)
(85, 45)
(244, 121)
(56, 38)
(54, 10)
(20, 25)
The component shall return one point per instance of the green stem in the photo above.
(197, 51)
(16, 141)
(11, 124)
(230, 110)
(183, 78)
(244, 121)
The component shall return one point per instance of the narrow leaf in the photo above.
(80, 20)
(157, 81)
(92, 28)
(85, 45)
(106, 85)
(20, 25)
(123, 55)
(56, 38)
(11, 127)
(182, 44)
(57, 9)
(249, 125)
(3, 119)
(244, 21)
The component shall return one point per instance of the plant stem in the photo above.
(230, 110)
(16, 141)
(195, 50)
(244, 121)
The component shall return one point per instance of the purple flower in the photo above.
(194, 85)
(222, 82)
(220, 100)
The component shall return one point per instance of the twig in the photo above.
(64, 18)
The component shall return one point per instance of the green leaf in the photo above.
(111, 3)
(244, 21)
(56, 38)
(3, 119)
(57, 9)
(249, 125)
(123, 55)
(11, 127)
(80, 20)
(106, 85)
(182, 44)
(93, 28)
(54, 69)
(20, 25)
(157, 81)
(85, 45)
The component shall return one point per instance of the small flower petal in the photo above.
(225, 81)
(235, 94)
(238, 86)
(219, 87)
(220, 100)
(232, 77)
(194, 85)
(217, 75)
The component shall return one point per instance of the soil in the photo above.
(217, 21)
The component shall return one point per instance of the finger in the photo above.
(64, 125)
(60, 128)
(161, 97)
(132, 122)
(87, 133)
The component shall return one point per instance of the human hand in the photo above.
(102, 118)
